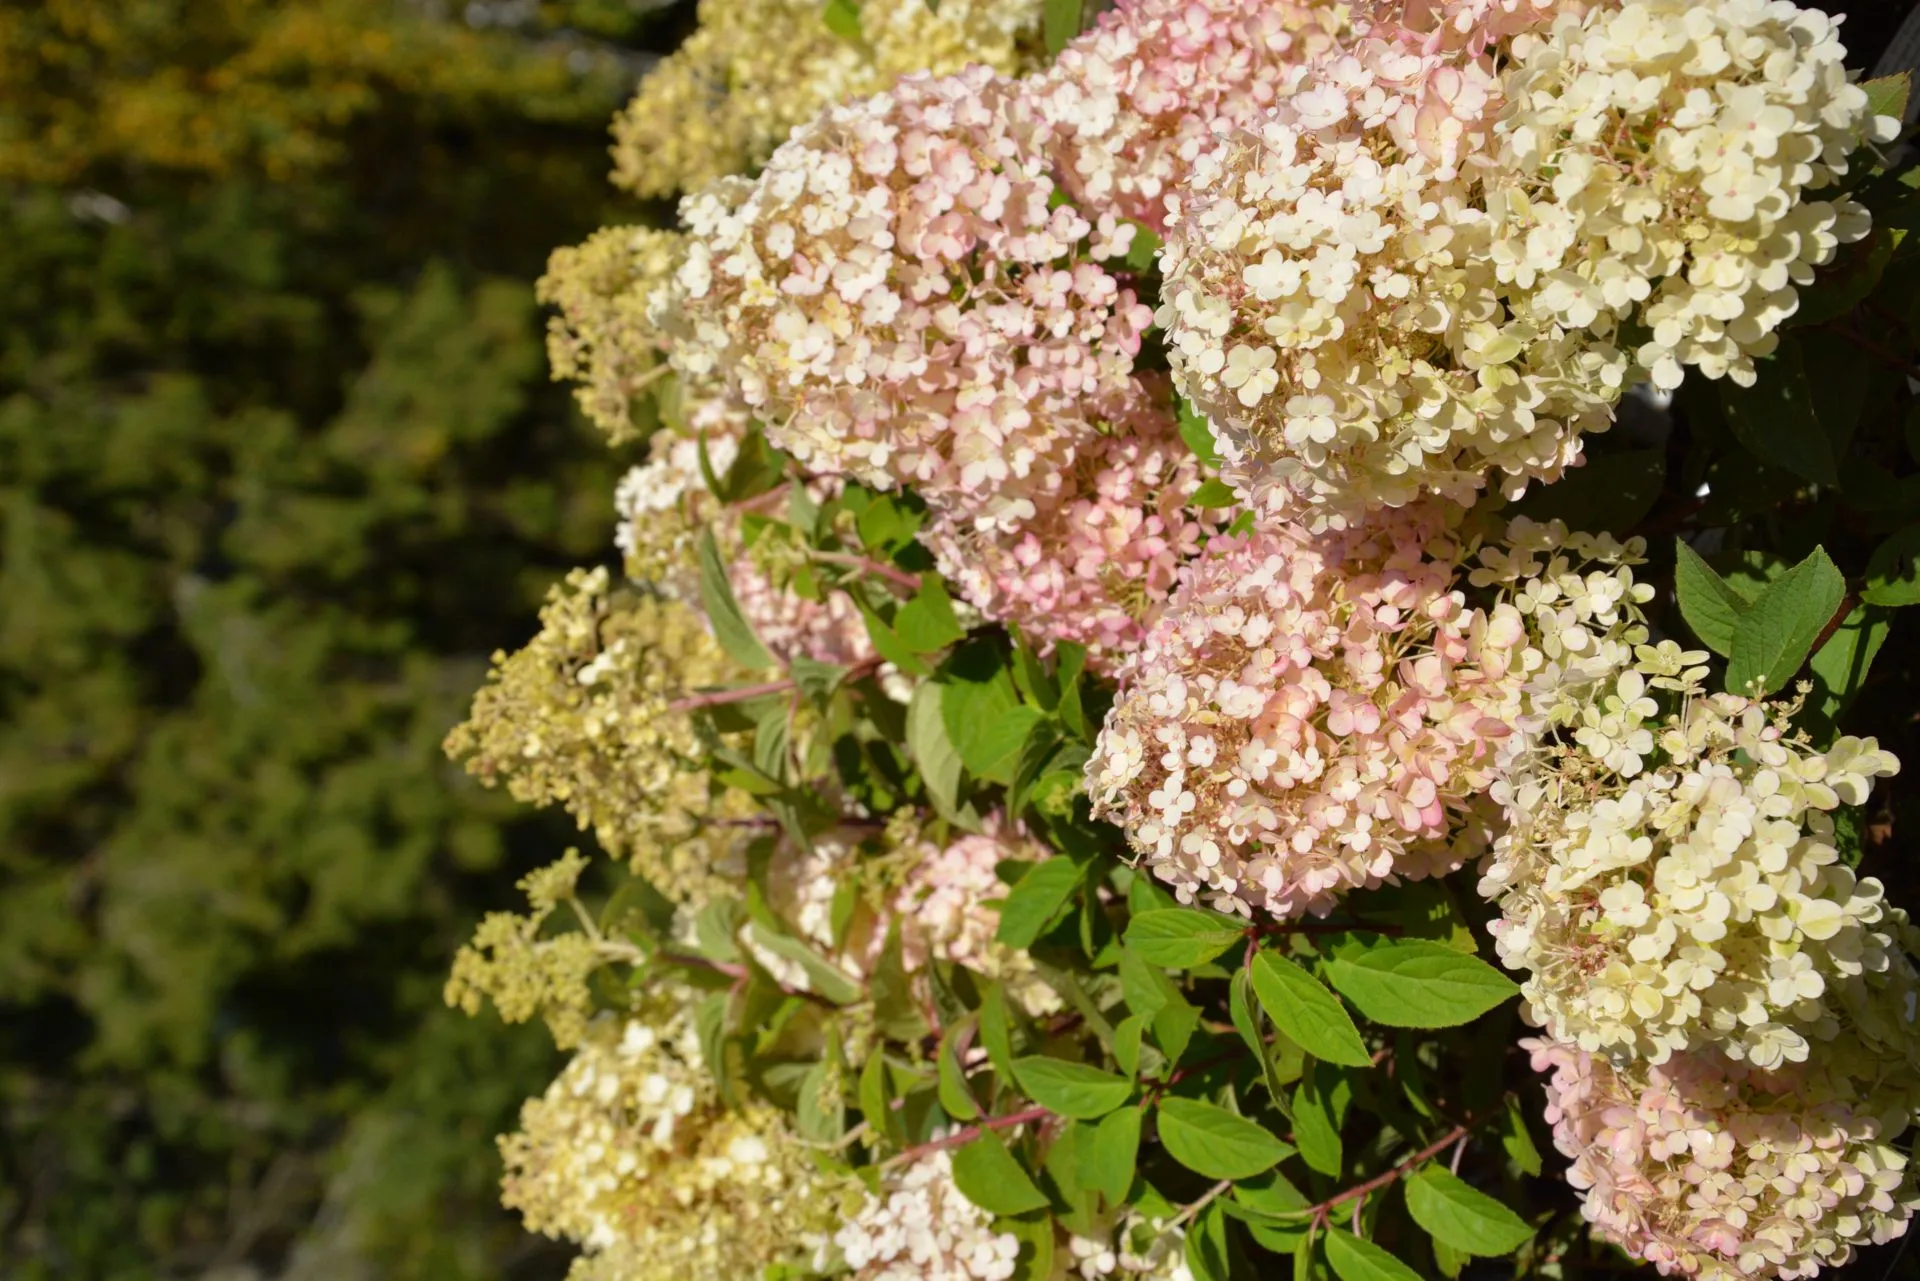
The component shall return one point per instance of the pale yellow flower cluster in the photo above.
(755, 69)
(1658, 163)
(1668, 878)
(601, 337)
(632, 1154)
(581, 718)
(524, 974)
(1332, 307)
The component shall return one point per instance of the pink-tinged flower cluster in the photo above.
(944, 898)
(1473, 26)
(939, 896)
(1707, 1167)
(665, 506)
(1095, 564)
(1330, 305)
(897, 297)
(1139, 97)
(1312, 714)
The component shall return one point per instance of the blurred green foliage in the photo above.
(280, 466)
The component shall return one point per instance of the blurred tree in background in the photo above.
(280, 465)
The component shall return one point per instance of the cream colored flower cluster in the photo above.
(756, 69)
(1138, 1249)
(631, 1154)
(899, 300)
(1310, 715)
(1417, 271)
(1667, 874)
(1331, 306)
(1708, 1167)
(922, 1228)
(1658, 163)
(1700, 903)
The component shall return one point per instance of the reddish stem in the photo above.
(1456, 1134)
(743, 693)
(967, 1134)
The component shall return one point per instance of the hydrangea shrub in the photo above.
(1152, 637)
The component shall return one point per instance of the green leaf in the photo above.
(1710, 605)
(987, 1175)
(932, 750)
(1607, 491)
(887, 643)
(1780, 626)
(1060, 23)
(1199, 436)
(1110, 1156)
(1847, 281)
(896, 1013)
(1319, 1108)
(875, 1103)
(987, 725)
(1462, 1217)
(821, 1114)
(1840, 666)
(1301, 1006)
(1144, 249)
(1214, 493)
(927, 622)
(888, 523)
(1356, 1260)
(955, 1096)
(1174, 1026)
(1068, 1089)
(1182, 937)
(1416, 983)
(1893, 571)
(842, 18)
(1036, 899)
(1211, 1141)
(1207, 1251)
(995, 1033)
(1775, 417)
(822, 975)
(730, 626)
(1518, 1142)
(1126, 1043)
(1271, 1194)
(1887, 95)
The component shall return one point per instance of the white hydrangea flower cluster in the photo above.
(1331, 306)
(1312, 714)
(1667, 877)
(1700, 903)
(1139, 1249)
(898, 299)
(924, 1229)
(1707, 1167)
(1656, 164)
(663, 504)
(631, 1154)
